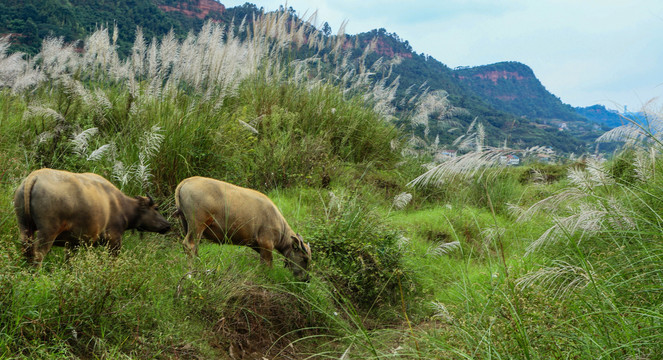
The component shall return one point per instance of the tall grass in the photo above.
(586, 286)
(227, 99)
(226, 103)
(475, 261)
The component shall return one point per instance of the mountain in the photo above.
(506, 97)
(610, 119)
(513, 87)
(28, 22)
(600, 115)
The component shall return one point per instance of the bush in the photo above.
(622, 168)
(359, 254)
(550, 173)
(79, 309)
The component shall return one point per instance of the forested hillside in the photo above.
(417, 72)
(513, 87)
(532, 118)
(29, 22)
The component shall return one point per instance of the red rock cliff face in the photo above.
(383, 48)
(496, 75)
(504, 94)
(200, 10)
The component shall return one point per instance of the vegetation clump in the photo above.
(360, 254)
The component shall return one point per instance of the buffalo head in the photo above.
(149, 218)
(298, 258)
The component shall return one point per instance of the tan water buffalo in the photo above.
(226, 213)
(68, 209)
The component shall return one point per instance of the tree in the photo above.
(326, 29)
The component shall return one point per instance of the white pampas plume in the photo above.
(28, 77)
(402, 242)
(586, 220)
(101, 103)
(151, 141)
(121, 173)
(75, 88)
(441, 311)
(491, 233)
(40, 111)
(248, 127)
(142, 170)
(56, 57)
(168, 51)
(561, 278)
(153, 61)
(552, 203)
(335, 202)
(45, 136)
(10, 65)
(460, 167)
(401, 200)
(645, 162)
(80, 140)
(138, 52)
(100, 152)
(116, 33)
(443, 248)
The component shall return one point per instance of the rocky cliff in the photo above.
(197, 8)
(513, 87)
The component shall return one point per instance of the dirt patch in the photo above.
(262, 323)
(436, 236)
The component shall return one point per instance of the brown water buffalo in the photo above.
(68, 209)
(226, 213)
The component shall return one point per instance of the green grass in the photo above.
(157, 306)
(451, 275)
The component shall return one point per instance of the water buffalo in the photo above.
(68, 209)
(224, 212)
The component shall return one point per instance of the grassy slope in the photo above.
(600, 296)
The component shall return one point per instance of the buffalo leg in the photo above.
(192, 239)
(42, 245)
(27, 242)
(266, 252)
(115, 243)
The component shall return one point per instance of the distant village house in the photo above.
(444, 155)
(510, 160)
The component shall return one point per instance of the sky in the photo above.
(586, 52)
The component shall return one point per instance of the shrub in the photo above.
(622, 167)
(80, 309)
(548, 173)
(359, 254)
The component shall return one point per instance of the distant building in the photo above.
(448, 153)
(563, 126)
(544, 158)
(444, 155)
(510, 160)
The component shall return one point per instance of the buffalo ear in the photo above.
(302, 244)
(295, 243)
(143, 201)
(151, 200)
